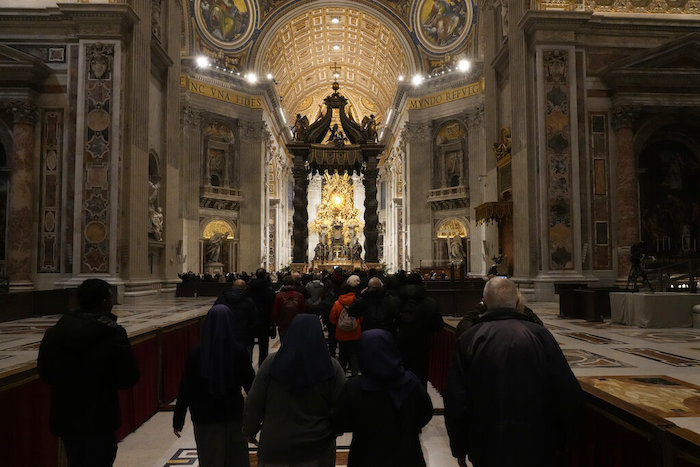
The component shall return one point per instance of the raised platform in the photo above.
(653, 310)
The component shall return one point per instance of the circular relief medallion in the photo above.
(98, 120)
(442, 25)
(226, 23)
(95, 232)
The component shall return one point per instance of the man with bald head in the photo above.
(378, 309)
(511, 398)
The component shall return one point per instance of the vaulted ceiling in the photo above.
(300, 50)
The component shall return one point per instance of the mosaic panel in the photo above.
(589, 338)
(50, 195)
(579, 358)
(663, 357)
(599, 151)
(661, 395)
(98, 139)
(558, 158)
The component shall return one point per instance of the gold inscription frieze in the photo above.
(221, 94)
(444, 97)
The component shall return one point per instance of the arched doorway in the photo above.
(451, 240)
(669, 194)
(219, 248)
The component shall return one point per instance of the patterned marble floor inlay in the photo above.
(189, 457)
(183, 457)
(663, 357)
(590, 338)
(579, 358)
(661, 395)
(664, 335)
(554, 327)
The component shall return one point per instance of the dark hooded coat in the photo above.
(385, 408)
(86, 358)
(511, 398)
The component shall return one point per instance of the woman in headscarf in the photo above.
(215, 372)
(385, 408)
(291, 400)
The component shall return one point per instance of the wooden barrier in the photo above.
(25, 438)
(612, 432)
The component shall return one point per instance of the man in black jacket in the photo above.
(86, 357)
(419, 316)
(244, 311)
(378, 309)
(511, 398)
(260, 290)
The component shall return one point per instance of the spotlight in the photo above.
(269, 76)
(463, 65)
(417, 79)
(251, 77)
(401, 78)
(202, 61)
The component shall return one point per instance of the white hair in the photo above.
(500, 292)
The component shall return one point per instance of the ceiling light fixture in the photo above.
(463, 65)
(202, 61)
(335, 20)
(417, 79)
(252, 78)
(401, 78)
(336, 47)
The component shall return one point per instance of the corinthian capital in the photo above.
(416, 132)
(190, 116)
(251, 132)
(22, 111)
(623, 116)
(475, 117)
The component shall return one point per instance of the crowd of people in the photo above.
(353, 357)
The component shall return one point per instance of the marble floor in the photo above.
(655, 369)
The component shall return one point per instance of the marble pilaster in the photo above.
(625, 183)
(477, 172)
(190, 119)
(418, 215)
(20, 238)
(251, 217)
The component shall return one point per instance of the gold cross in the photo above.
(335, 68)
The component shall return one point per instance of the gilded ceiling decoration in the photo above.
(373, 42)
(369, 56)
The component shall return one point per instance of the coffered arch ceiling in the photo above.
(300, 48)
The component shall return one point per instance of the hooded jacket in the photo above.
(86, 358)
(340, 335)
(511, 398)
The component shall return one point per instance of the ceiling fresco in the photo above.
(372, 42)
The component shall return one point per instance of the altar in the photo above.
(653, 310)
(350, 265)
(345, 154)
